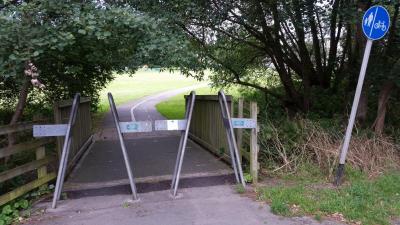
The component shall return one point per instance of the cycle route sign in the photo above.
(376, 22)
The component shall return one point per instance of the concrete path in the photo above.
(216, 205)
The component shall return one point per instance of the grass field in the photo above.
(174, 108)
(143, 83)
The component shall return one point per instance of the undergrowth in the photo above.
(285, 146)
(18, 209)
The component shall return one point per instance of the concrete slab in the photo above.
(216, 205)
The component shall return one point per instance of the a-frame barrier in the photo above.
(230, 135)
(127, 127)
(60, 130)
(183, 142)
(159, 125)
(144, 126)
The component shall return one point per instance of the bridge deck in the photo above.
(152, 160)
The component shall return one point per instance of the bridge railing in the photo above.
(81, 131)
(39, 166)
(207, 129)
(35, 170)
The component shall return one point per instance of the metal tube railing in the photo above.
(236, 162)
(182, 143)
(123, 147)
(65, 151)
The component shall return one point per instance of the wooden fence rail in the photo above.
(207, 129)
(82, 138)
(39, 164)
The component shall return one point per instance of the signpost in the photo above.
(375, 24)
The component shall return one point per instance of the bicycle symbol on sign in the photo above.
(380, 25)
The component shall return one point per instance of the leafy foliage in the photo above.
(11, 212)
(306, 46)
(77, 45)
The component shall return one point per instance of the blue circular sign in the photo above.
(376, 22)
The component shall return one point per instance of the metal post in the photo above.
(123, 147)
(178, 156)
(63, 168)
(181, 151)
(231, 139)
(225, 113)
(65, 151)
(353, 113)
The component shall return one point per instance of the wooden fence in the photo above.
(82, 138)
(207, 129)
(82, 130)
(39, 164)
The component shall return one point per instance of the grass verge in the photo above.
(361, 202)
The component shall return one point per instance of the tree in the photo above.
(76, 46)
(312, 47)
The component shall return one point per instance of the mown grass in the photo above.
(174, 108)
(367, 201)
(144, 82)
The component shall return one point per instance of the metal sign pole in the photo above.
(123, 147)
(237, 166)
(182, 145)
(65, 152)
(375, 24)
(353, 113)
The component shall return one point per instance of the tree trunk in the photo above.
(384, 96)
(23, 95)
(19, 109)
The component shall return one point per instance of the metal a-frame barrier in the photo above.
(60, 130)
(228, 123)
(160, 125)
(182, 143)
(128, 127)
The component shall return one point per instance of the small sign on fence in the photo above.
(170, 124)
(133, 127)
(244, 123)
(50, 130)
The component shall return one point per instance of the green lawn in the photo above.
(174, 108)
(143, 83)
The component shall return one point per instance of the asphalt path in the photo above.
(144, 108)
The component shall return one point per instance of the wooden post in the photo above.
(254, 144)
(58, 120)
(239, 132)
(40, 154)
